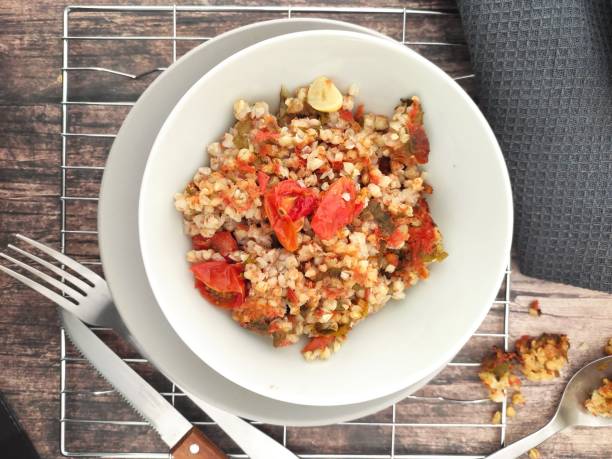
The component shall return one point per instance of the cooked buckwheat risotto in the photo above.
(307, 221)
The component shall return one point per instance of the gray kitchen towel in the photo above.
(544, 78)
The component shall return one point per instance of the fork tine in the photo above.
(50, 294)
(72, 264)
(60, 272)
(50, 280)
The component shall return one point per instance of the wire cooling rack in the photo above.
(110, 55)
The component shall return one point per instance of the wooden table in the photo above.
(30, 146)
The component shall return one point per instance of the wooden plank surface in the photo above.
(30, 155)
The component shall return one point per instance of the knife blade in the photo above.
(184, 440)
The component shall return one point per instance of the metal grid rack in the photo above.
(73, 162)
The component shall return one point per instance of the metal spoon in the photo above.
(571, 411)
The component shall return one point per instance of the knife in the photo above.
(185, 440)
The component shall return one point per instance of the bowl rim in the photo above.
(442, 357)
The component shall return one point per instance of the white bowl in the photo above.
(471, 203)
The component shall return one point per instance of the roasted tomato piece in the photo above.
(346, 115)
(222, 242)
(265, 135)
(199, 242)
(397, 238)
(262, 181)
(414, 110)
(337, 208)
(294, 200)
(422, 238)
(286, 232)
(286, 205)
(318, 342)
(244, 167)
(418, 143)
(220, 282)
(416, 150)
(302, 207)
(292, 296)
(421, 244)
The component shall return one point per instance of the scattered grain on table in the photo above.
(518, 399)
(534, 308)
(534, 454)
(608, 347)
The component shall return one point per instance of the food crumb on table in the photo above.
(496, 373)
(518, 399)
(534, 308)
(534, 454)
(542, 358)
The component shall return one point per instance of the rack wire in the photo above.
(91, 417)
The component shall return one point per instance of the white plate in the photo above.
(120, 252)
(471, 203)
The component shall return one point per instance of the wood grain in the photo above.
(30, 156)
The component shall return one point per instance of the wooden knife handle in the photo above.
(194, 445)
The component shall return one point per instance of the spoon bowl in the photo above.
(571, 408)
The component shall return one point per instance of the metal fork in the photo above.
(98, 309)
(93, 305)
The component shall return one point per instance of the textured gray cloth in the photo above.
(544, 75)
